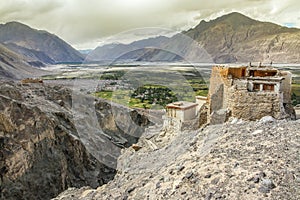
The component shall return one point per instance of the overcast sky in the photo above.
(88, 23)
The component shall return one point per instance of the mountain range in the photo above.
(232, 38)
(36, 44)
(23, 48)
(119, 51)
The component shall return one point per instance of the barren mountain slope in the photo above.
(242, 160)
(237, 38)
(37, 45)
(15, 66)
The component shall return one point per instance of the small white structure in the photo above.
(182, 115)
(200, 100)
(297, 111)
(182, 110)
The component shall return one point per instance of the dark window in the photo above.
(243, 72)
(256, 87)
(268, 87)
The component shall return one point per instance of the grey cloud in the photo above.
(24, 10)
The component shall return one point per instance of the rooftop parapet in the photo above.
(181, 105)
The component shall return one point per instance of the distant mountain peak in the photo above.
(15, 24)
(234, 20)
(18, 27)
(236, 17)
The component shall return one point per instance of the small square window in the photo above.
(268, 87)
(256, 87)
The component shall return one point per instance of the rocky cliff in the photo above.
(236, 160)
(41, 151)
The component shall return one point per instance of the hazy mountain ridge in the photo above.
(15, 66)
(228, 39)
(37, 44)
(120, 51)
(23, 48)
(31, 54)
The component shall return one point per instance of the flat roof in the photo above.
(263, 68)
(201, 97)
(182, 105)
(236, 66)
(267, 78)
(227, 66)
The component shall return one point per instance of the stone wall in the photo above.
(189, 114)
(255, 105)
(219, 91)
(175, 113)
(229, 95)
(200, 100)
(286, 86)
(173, 124)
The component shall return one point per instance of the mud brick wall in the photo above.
(255, 105)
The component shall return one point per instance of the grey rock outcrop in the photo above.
(41, 151)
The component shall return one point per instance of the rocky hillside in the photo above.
(238, 38)
(236, 160)
(42, 151)
(36, 44)
(16, 66)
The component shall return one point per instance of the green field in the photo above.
(112, 75)
(151, 96)
(156, 89)
(105, 94)
(153, 88)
